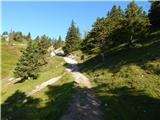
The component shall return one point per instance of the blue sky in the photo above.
(54, 18)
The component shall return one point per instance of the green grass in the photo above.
(10, 56)
(128, 80)
(49, 104)
(56, 98)
(52, 69)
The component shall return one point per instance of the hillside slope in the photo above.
(128, 80)
(10, 56)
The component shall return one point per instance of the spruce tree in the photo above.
(41, 47)
(136, 22)
(27, 66)
(101, 36)
(154, 14)
(72, 39)
(95, 39)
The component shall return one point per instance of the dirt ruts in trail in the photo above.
(85, 104)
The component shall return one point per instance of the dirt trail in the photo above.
(44, 84)
(72, 67)
(85, 105)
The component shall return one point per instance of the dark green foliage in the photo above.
(95, 39)
(154, 14)
(72, 39)
(42, 46)
(28, 64)
(33, 57)
(136, 23)
(101, 36)
(116, 28)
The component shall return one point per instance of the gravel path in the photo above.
(85, 105)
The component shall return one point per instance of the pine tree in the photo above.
(33, 57)
(27, 66)
(135, 23)
(95, 39)
(101, 36)
(72, 39)
(41, 47)
(114, 18)
(154, 14)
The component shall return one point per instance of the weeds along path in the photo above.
(85, 105)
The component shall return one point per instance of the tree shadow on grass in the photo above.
(20, 107)
(125, 103)
(59, 99)
(116, 59)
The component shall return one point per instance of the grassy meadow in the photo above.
(50, 102)
(128, 80)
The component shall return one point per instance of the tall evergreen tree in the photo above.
(114, 18)
(41, 47)
(154, 14)
(101, 36)
(95, 39)
(33, 57)
(135, 23)
(28, 65)
(72, 39)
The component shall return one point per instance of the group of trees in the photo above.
(116, 28)
(13, 36)
(33, 57)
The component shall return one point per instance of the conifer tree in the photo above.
(27, 66)
(135, 23)
(72, 39)
(101, 36)
(33, 57)
(41, 47)
(95, 39)
(154, 14)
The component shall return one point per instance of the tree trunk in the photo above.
(130, 41)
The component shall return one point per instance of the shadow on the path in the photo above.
(85, 106)
(117, 103)
(72, 67)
